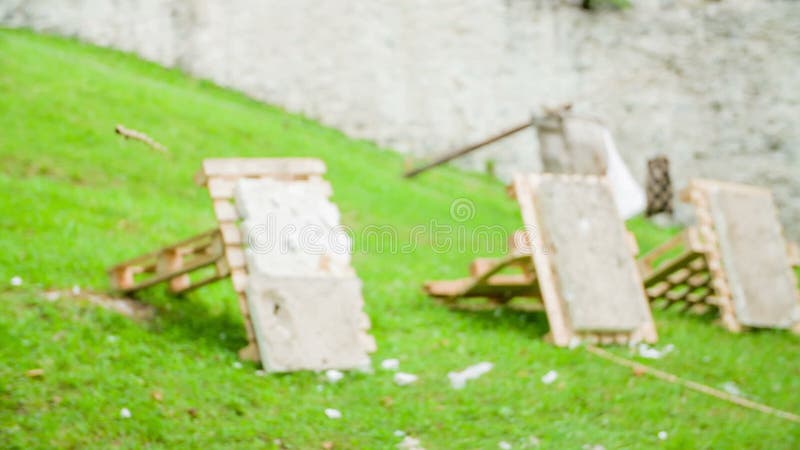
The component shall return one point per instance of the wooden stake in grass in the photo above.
(639, 369)
(139, 136)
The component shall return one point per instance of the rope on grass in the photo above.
(670, 378)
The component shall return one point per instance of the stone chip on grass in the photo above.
(404, 379)
(410, 443)
(333, 413)
(550, 377)
(646, 351)
(390, 364)
(459, 379)
(333, 375)
(731, 388)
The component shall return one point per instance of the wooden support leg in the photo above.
(122, 278)
(171, 260)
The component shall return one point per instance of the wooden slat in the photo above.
(231, 233)
(679, 276)
(221, 188)
(249, 167)
(225, 211)
(235, 256)
(239, 279)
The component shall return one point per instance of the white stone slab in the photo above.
(292, 229)
(592, 262)
(754, 256)
(306, 323)
(304, 298)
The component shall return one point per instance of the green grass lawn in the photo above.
(75, 199)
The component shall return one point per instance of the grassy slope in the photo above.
(74, 198)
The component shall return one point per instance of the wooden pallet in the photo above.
(223, 244)
(174, 264)
(487, 282)
(689, 268)
(540, 277)
(676, 273)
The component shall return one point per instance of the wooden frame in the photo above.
(538, 278)
(486, 281)
(173, 264)
(695, 275)
(219, 176)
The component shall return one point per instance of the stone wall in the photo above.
(712, 84)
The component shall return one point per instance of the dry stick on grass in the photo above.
(668, 377)
(139, 136)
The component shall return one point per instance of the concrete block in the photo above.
(309, 323)
(754, 256)
(594, 267)
(304, 298)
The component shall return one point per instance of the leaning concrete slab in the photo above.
(754, 255)
(309, 323)
(304, 298)
(279, 242)
(584, 260)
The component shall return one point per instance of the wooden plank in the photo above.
(225, 211)
(251, 167)
(231, 233)
(239, 279)
(560, 332)
(221, 188)
(794, 253)
(235, 256)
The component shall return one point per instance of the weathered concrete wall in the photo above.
(713, 84)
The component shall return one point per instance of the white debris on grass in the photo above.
(459, 379)
(399, 433)
(112, 339)
(16, 281)
(333, 375)
(550, 377)
(390, 364)
(237, 365)
(333, 413)
(534, 441)
(504, 445)
(574, 343)
(260, 373)
(403, 379)
(645, 351)
(662, 435)
(76, 290)
(125, 413)
(593, 447)
(731, 388)
(410, 443)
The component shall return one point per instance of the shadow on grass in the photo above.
(196, 319)
(526, 322)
